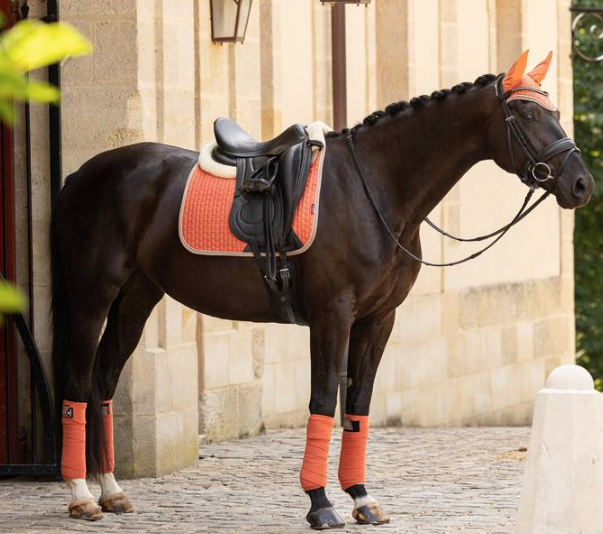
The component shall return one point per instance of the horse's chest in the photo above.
(392, 284)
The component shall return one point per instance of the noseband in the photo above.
(536, 170)
(530, 175)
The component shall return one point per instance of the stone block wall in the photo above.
(230, 372)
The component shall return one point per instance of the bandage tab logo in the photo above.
(68, 412)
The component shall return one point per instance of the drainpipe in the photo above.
(340, 101)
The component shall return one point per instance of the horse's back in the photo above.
(113, 197)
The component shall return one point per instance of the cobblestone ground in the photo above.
(440, 481)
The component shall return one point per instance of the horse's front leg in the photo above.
(367, 343)
(329, 338)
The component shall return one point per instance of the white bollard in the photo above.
(563, 480)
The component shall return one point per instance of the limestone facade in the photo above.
(472, 345)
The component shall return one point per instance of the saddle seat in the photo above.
(233, 141)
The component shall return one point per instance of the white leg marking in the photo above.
(363, 501)
(79, 489)
(108, 484)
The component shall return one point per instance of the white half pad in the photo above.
(316, 132)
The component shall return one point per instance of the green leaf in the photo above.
(33, 44)
(11, 299)
(7, 111)
(43, 92)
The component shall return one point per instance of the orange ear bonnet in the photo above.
(516, 77)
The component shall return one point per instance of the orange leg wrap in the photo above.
(108, 457)
(318, 438)
(352, 462)
(73, 463)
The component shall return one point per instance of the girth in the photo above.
(270, 180)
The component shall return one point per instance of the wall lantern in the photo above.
(229, 20)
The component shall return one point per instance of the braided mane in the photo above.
(417, 102)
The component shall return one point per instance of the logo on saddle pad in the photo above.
(68, 412)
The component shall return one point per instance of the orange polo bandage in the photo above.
(352, 462)
(73, 462)
(318, 438)
(108, 456)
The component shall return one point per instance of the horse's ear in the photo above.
(514, 74)
(539, 72)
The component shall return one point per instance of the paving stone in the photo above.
(429, 481)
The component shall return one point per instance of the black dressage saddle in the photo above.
(271, 177)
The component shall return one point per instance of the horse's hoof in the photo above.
(325, 518)
(85, 509)
(370, 514)
(117, 503)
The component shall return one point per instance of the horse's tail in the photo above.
(61, 327)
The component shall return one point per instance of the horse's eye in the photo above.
(528, 117)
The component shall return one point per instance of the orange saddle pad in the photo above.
(203, 223)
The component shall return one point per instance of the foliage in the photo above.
(588, 237)
(11, 300)
(29, 45)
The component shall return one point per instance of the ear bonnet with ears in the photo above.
(516, 77)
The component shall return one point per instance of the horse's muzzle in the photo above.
(576, 193)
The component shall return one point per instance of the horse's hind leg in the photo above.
(89, 305)
(125, 324)
(367, 343)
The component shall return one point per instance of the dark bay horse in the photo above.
(116, 253)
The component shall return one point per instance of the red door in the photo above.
(8, 354)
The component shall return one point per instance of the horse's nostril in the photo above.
(579, 188)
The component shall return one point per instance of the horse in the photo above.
(116, 252)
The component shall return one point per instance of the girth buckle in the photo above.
(285, 277)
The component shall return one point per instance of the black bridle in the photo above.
(531, 175)
(536, 164)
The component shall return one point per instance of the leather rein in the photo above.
(534, 174)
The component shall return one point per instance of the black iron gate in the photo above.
(27, 443)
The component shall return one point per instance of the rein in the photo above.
(529, 176)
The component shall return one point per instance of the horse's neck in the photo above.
(423, 153)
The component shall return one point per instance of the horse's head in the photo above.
(526, 138)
